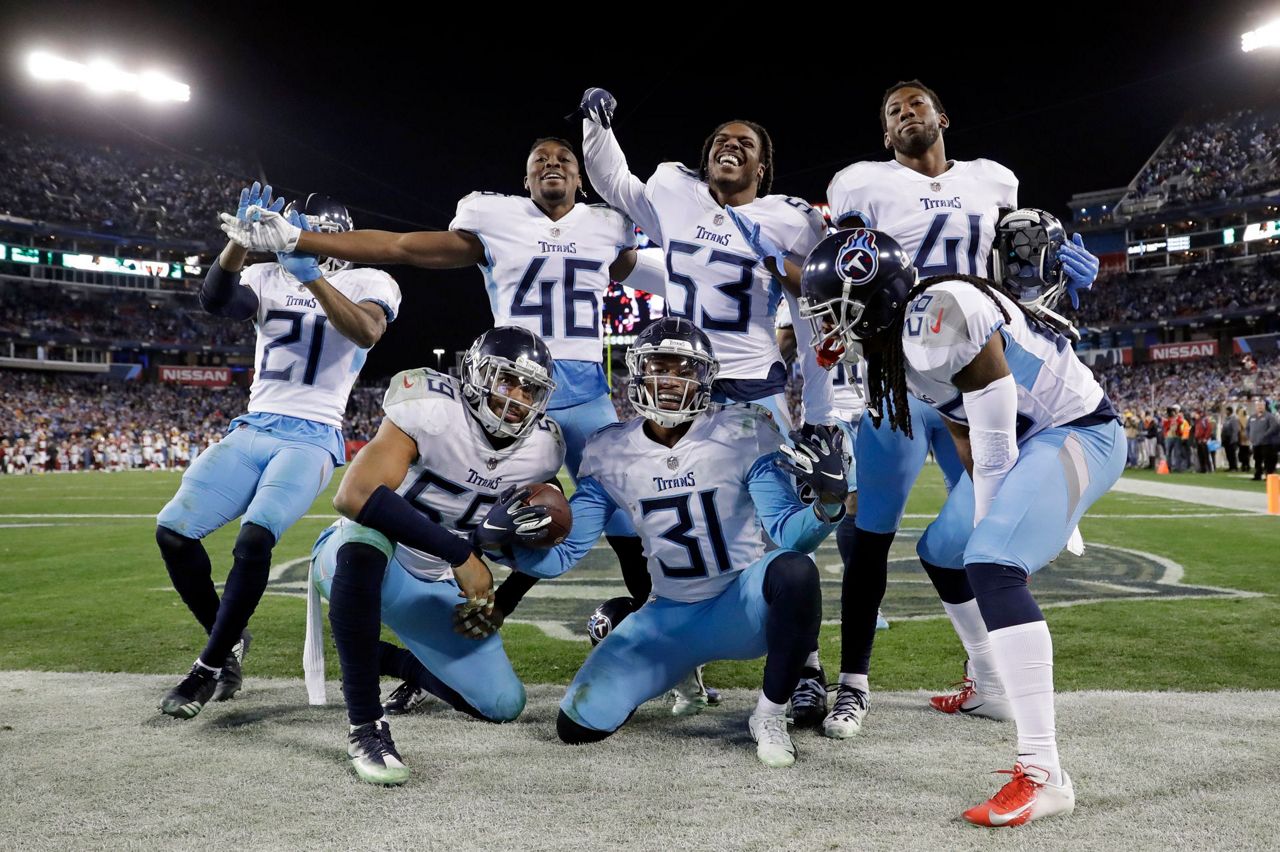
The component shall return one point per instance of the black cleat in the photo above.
(809, 700)
(405, 698)
(374, 756)
(188, 698)
(231, 678)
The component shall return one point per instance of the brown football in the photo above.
(558, 507)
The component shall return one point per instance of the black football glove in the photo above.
(818, 462)
(508, 521)
(597, 106)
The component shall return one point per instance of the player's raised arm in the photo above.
(592, 507)
(222, 294)
(607, 165)
(367, 496)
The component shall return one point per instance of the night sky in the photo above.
(401, 119)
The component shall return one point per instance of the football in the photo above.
(558, 507)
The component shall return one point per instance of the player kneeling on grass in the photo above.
(440, 478)
(1040, 441)
(701, 486)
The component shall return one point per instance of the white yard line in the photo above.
(1219, 498)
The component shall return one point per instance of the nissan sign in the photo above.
(216, 377)
(1183, 351)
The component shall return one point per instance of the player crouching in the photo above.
(440, 476)
(701, 486)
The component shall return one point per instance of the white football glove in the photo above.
(263, 230)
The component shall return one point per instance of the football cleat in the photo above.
(970, 700)
(850, 708)
(406, 698)
(773, 742)
(374, 755)
(1027, 796)
(809, 700)
(692, 696)
(231, 678)
(188, 698)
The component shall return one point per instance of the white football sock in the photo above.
(857, 681)
(972, 630)
(1024, 655)
(765, 707)
(812, 661)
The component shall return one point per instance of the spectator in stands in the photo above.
(1203, 433)
(1151, 429)
(1246, 446)
(1131, 431)
(1172, 423)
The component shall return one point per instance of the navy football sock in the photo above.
(191, 574)
(1004, 598)
(866, 574)
(794, 595)
(355, 615)
(245, 585)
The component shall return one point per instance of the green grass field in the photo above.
(82, 588)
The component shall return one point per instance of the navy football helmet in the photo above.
(506, 379)
(1025, 252)
(853, 286)
(607, 617)
(671, 364)
(327, 216)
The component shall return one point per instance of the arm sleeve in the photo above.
(818, 393)
(223, 295)
(399, 520)
(512, 591)
(993, 422)
(790, 523)
(591, 507)
(611, 176)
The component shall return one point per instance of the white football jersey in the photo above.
(303, 367)
(689, 503)
(849, 390)
(950, 322)
(547, 276)
(713, 277)
(945, 223)
(458, 474)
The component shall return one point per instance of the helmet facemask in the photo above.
(325, 225)
(519, 391)
(1027, 243)
(833, 324)
(671, 382)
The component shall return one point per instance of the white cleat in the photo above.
(845, 718)
(773, 742)
(691, 696)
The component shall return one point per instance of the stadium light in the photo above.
(104, 77)
(1264, 36)
(438, 353)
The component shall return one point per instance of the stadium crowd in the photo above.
(117, 315)
(1141, 296)
(116, 189)
(71, 422)
(1218, 158)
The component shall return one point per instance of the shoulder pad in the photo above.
(421, 383)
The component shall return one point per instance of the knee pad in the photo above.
(572, 733)
(172, 543)
(254, 543)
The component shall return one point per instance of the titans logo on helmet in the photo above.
(857, 260)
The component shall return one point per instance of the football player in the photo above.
(316, 321)
(1040, 442)
(714, 278)
(443, 473)
(547, 262)
(700, 484)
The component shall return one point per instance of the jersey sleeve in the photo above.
(946, 327)
(413, 402)
(374, 285)
(848, 195)
(255, 277)
(802, 227)
(470, 214)
(1005, 181)
(592, 508)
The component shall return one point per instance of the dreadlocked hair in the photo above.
(887, 393)
(766, 153)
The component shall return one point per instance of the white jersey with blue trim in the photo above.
(945, 223)
(690, 503)
(548, 276)
(304, 367)
(458, 474)
(849, 395)
(714, 278)
(948, 325)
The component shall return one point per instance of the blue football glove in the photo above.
(818, 462)
(305, 267)
(257, 196)
(509, 521)
(1081, 267)
(763, 247)
(597, 106)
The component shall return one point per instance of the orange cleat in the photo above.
(969, 700)
(1027, 796)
